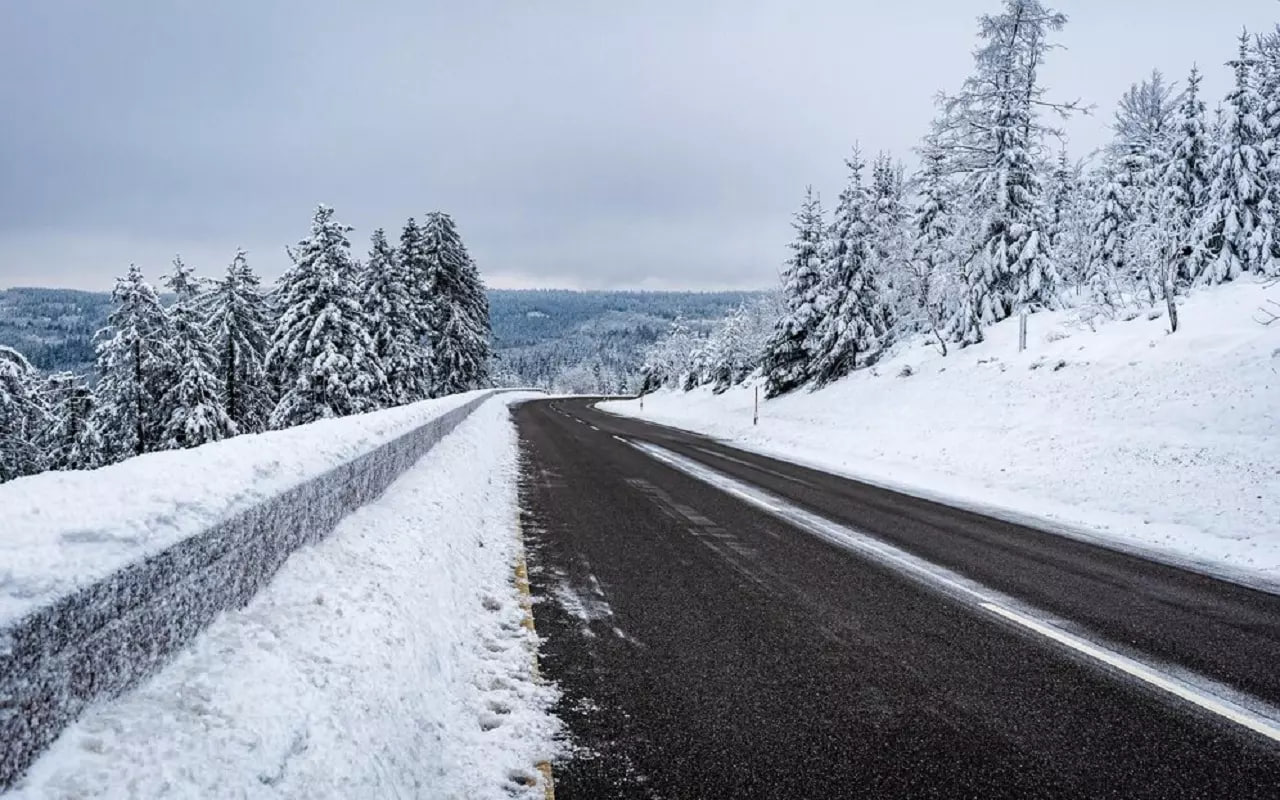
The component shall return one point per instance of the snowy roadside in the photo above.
(387, 660)
(1162, 444)
(64, 530)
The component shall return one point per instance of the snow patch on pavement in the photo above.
(387, 660)
(1156, 442)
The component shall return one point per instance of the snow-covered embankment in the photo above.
(105, 574)
(1163, 443)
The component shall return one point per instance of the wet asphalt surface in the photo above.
(706, 649)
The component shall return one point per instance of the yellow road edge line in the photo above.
(526, 604)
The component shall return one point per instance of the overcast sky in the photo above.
(657, 144)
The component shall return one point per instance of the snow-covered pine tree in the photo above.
(1234, 234)
(993, 131)
(887, 222)
(788, 359)
(193, 402)
(932, 265)
(1144, 124)
(133, 362)
(1068, 204)
(394, 322)
(851, 306)
(1267, 48)
(321, 347)
(458, 327)
(1112, 225)
(1185, 182)
(24, 417)
(74, 441)
(417, 271)
(239, 323)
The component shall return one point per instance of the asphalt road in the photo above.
(708, 649)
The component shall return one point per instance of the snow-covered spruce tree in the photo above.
(193, 402)
(1112, 225)
(133, 369)
(993, 131)
(457, 310)
(1267, 48)
(321, 347)
(417, 272)
(932, 264)
(394, 322)
(24, 417)
(1144, 125)
(239, 324)
(1235, 232)
(788, 360)
(850, 305)
(1068, 207)
(74, 441)
(1185, 182)
(669, 361)
(887, 218)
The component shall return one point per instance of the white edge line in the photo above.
(1146, 673)
(966, 590)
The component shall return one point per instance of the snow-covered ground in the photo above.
(67, 529)
(1164, 443)
(388, 660)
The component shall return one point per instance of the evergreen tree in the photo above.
(851, 308)
(239, 325)
(458, 327)
(1113, 222)
(887, 233)
(1068, 203)
(1235, 233)
(74, 439)
(193, 402)
(23, 417)
(1185, 182)
(394, 322)
(993, 130)
(1144, 126)
(133, 359)
(788, 357)
(321, 347)
(417, 270)
(933, 261)
(1268, 82)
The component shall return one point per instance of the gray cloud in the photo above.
(590, 144)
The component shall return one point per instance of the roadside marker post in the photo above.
(755, 413)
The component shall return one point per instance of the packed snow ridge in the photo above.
(1164, 443)
(65, 530)
(387, 660)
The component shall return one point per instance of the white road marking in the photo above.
(1223, 701)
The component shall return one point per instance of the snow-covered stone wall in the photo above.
(104, 636)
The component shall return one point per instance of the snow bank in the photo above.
(105, 573)
(387, 660)
(1165, 444)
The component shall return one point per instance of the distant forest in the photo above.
(543, 337)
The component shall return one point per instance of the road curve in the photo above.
(708, 649)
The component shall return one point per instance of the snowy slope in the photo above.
(387, 660)
(63, 530)
(1165, 443)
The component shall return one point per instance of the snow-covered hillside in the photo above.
(1167, 443)
(388, 660)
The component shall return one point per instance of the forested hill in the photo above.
(540, 333)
